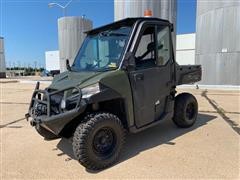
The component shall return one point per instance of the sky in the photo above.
(29, 27)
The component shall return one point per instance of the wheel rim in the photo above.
(190, 111)
(104, 141)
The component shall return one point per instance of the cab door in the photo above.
(151, 78)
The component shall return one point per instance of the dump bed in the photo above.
(188, 74)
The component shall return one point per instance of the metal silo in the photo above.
(218, 41)
(2, 59)
(164, 9)
(70, 37)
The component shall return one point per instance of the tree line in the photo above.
(28, 71)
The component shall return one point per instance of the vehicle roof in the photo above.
(127, 22)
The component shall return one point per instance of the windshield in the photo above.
(102, 51)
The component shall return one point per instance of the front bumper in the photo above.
(53, 122)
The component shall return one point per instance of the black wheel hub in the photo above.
(190, 111)
(104, 141)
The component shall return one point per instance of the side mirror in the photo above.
(68, 65)
(151, 47)
(129, 61)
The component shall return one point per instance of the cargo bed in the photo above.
(188, 74)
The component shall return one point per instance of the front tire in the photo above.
(98, 141)
(185, 110)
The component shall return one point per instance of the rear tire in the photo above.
(45, 133)
(97, 142)
(185, 110)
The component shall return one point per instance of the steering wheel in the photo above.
(88, 66)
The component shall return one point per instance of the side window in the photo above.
(163, 45)
(145, 54)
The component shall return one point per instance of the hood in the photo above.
(82, 79)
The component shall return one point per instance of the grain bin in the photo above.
(2, 59)
(70, 37)
(218, 41)
(164, 9)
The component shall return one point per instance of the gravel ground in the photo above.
(209, 149)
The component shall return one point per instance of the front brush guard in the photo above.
(56, 122)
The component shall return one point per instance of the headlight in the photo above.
(90, 90)
(70, 97)
(63, 104)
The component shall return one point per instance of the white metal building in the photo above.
(52, 60)
(185, 49)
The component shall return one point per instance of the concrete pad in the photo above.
(13, 112)
(203, 105)
(3, 81)
(209, 149)
(164, 151)
(230, 102)
(235, 118)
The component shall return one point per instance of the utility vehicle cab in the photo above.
(123, 79)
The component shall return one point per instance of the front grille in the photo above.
(48, 102)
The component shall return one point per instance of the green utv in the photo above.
(123, 79)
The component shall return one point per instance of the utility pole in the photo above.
(50, 5)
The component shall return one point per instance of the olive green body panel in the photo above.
(70, 79)
(117, 81)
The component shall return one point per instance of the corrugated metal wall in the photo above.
(70, 37)
(218, 41)
(165, 9)
(2, 59)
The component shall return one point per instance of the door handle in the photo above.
(139, 77)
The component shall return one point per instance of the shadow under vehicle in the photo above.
(163, 133)
(123, 79)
